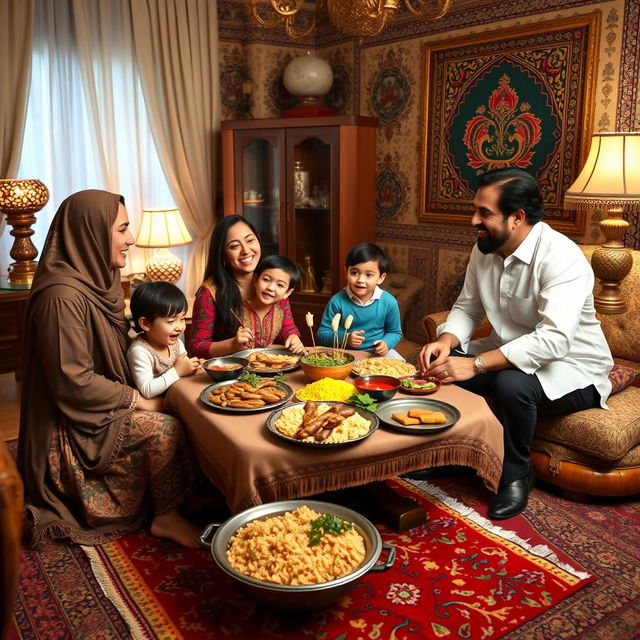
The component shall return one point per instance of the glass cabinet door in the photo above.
(261, 173)
(312, 203)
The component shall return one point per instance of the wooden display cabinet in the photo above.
(308, 186)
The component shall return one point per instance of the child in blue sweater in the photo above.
(376, 317)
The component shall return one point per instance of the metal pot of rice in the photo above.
(297, 555)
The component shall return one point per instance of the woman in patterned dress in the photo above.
(98, 460)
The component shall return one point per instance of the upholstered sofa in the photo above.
(594, 452)
(405, 289)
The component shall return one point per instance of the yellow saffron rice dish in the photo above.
(328, 390)
(278, 550)
(351, 428)
(384, 367)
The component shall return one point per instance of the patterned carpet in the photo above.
(603, 536)
(60, 596)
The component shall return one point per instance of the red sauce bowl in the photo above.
(379, 387)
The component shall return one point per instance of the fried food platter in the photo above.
(404, 405)
(270, 353)
(284, 390)
(370, 417)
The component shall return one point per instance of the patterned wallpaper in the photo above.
(383, 77)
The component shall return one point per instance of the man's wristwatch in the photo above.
(480, 365)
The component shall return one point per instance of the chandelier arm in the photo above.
(268, 24)
(296, 35)
(424, 15)
(282, 6)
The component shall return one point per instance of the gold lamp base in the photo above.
(611, 263)
(163, 265)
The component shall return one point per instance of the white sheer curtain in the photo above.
(87, 126)
(177, 51)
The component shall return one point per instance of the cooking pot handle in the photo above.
(207, 532)
(391, 556)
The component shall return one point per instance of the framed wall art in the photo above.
(520, 96)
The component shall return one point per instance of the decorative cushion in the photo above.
(557, 452)
(621, 377)
(607, 435)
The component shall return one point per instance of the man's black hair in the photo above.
(518, 190)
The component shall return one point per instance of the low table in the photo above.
(251, 466)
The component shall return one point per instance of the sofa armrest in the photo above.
(433, 320)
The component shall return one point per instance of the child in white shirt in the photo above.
(157, 357)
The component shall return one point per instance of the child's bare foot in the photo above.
(174, 527)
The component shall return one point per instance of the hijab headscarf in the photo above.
(75, 375)
(77, 252)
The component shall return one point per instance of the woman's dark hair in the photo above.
(153, 300)
(279, 262)
(518, 190)
(227, 291)
(366, 252)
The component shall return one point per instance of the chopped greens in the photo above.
(363, 401)
(281, 377)
(251, 378)
(326, 524)
(324, 359)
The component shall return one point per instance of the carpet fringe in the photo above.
(110, 592)
(540, 550)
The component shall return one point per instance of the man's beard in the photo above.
(492, 241)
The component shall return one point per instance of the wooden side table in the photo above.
(13, 304)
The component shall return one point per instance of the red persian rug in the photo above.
(457, 576)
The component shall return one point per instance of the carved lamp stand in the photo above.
(19, 201)
(610, 180)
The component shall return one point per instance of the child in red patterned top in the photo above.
(267, 315)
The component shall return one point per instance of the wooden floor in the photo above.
(9, 406)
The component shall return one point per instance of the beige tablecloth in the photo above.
(252, 466)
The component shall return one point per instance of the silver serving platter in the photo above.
(385, 410)
(204, 397)
(374, 423)
(280, 351)
(305, 597)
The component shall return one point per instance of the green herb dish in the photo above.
(325, 359)
(327, 364)
(326, 524)
(419, 386)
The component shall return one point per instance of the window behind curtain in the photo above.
(60, 136)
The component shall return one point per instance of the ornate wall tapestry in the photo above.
(522, 96)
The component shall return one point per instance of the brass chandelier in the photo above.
(353, 17)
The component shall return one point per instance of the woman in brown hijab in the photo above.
(97, 459)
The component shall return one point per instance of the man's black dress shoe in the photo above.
(512, 498)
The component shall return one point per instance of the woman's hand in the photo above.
(186, 366)
(355, 339)
(243, 339)
(294, 344)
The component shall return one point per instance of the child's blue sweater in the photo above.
(380, 320)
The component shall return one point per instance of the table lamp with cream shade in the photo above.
(160, 229)
(610, 179)
(19, 200)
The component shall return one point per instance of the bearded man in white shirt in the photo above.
(546, 353)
